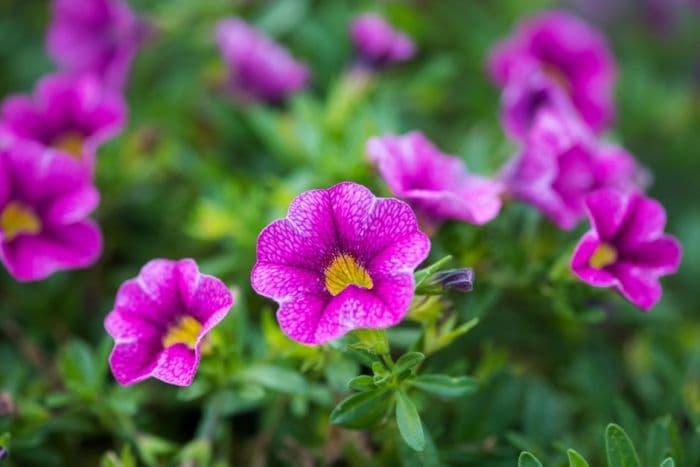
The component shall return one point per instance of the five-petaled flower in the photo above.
(71, 114)
(626, 247)
(260, 69)
(95, 36)
(555, 52)
(45, 198)
(562, 162)
(377, 43)
(342, 259)
(436, 185)
(160, 319)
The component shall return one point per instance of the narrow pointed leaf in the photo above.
(444, 385)
(361, 410)
(576, 459)
(527, 459)
(619, 448)
(410, 425)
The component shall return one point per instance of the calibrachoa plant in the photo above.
(413, 307)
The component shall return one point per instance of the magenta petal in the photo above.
(35, 257)
(211, 302)
(73, 206)
(646, 222)
(278, 281)
(401, 256)
(662, 256)
(299, 315)
(607, 211)
(134, 361)
(638, 285)
(581, 259)
(351, 204)
(127, 327)
(177, 365)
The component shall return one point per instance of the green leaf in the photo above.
(576, 459)
(362, 383)
(527, 459)
(619, 448)
(78, 368)
(407, 361)
(361, 410)
(668, 462)
(444, 385)
(409, 422)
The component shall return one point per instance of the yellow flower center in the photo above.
(17, 219)
(70, 143)
(558, 76)
(344, 271)
(603, 256)
(185, 332)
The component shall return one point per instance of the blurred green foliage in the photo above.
(551, 362)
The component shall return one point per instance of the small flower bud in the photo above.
(461, 280)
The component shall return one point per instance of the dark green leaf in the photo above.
(668, 462)
(527, 459)
(409, 422)
(407, 361)
(361, 383)
(362, 410)
(619, 448)
(444, 385)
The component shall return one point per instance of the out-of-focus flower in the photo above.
(70, 114)
(562, 162)
(626, 247)
(436, 185)
(260, 69)
(96, 36)
(342, 259)
(377, 43)
(45, 198)
(570, 53)
(159, 320)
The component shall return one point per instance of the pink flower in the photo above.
(95, 36)
(436, 185)
(569, 53)
(561, 163)
(72, 115)
(160, 319)
(378, 43)
(626, 247)
(341, 260)
(260, 69)
(45, 198)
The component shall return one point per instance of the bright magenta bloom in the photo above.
(159, 320)
(378, 43)
(568, 54)
(341, 260)
(260, 69)
(436, 185)
(72, 115)
(45, 198)
(626, 247)
(561, 163)
(95, 36)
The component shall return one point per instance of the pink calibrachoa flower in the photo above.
(378, 43)
(562, 162)
(71, 114)
(574, 56)
(45, 198)
(626, 247)
(342, 259)
(436, 185)
(95, 36)
(160, 319)
(260, 69)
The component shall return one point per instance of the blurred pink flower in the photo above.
(570, 54)
(341, 260)
(70, 114)
(96, 36)
(260, 69)
(45, 198)
(626, 247)
(160, 319)
(562, 162)
(378, 43)
(436, 185)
